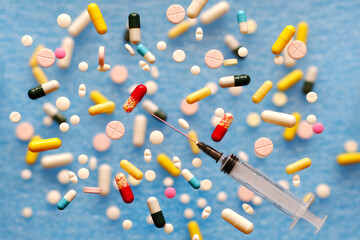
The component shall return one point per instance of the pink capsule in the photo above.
(222, 127)
(135, 97)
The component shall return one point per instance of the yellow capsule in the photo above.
(131, 169)
(97, 18)
(98, 98)
(198, 95)
(194, 148)
(283, 39)
(102, 108)
(39, 75)
(44, 144)
(194, 228)
(289, 133)
(302, 32)
(179, 29)
(348, 158)
(31, 157)
(298, 165)
(262, 91)
(33, 60)
(168, 165)
(309, 197)
(290, 80)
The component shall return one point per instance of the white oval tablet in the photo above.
(183, 123)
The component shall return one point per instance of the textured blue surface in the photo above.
(333, 45)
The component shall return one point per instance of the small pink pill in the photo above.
(118, 74)
(318, 128)
(101, 55)
(60, 53)
(101, 142)
(45, 57)
(304, 130)
(297, 49)
(263, 147)
(115, 130)
(24, 131)
(96, 190)
(214, 59)
(245, 194)
(189, 109)
(175, 13)
(170, 192)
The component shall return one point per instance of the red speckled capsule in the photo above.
(135, 97)
(124, 188)
(222, 127)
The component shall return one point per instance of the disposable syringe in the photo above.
(260, 184)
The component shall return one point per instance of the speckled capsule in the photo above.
(135, 97)
(221, 129)
(124, 188)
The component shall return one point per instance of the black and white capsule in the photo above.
(156, 213)
(54, 113)
(234, 81)
(310, 78)
(134, 28)
(43, 89)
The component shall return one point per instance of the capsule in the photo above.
(221, 129)
(278, 118)
(302, 32)
(192, 180)
(168, 165)
(310, 78)
(348, 158)
(134, 28)
(283, 39)
(233, 44)
(98, 98)
(39, 75)
(194, 229)
(127, 35)
(194, 148)
(241, 17)
(135, 97)
(69, 196)
(290, 133)
(97, 18)
(53, 112)
(44, 144)
(101, 108)
(31, 157)
(68, 45)
(145, 53)
(237, 220)
(215, 12)
(288, 61)
(198, 95)
(43, 89)
(33, 59)
(298, 166)
(290, 80)
(140, 122)
(156, 213)
(131, 169)
(57, 160)
(124, 188)
(181, 28)
(104, 179)
(262, 92)
(79, 24)
(309, 197)
(195, 8)
(234, 81)
(152, 108)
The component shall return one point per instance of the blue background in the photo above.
(333, 46)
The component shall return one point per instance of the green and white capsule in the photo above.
(192, 180)
(53, 112)
(156, 213)
(134, 28)
(152, 108)
(43, 89)
(234, 81)
(69, 196)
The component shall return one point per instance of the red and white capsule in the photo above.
(135, 97)
(221, 129)
(124, 188)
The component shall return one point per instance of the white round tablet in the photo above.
(213, 87)
(150, 175)
(215, 121)
(161, 46)
(15, 117)
(311, 97)
(151, 86)
(53, 197)
(221, 196)
(168, 182)
(253, 119)
(184, 198)
(196, 162)
(83, 159)
(242, 52)
(63, 103)
(179, 56)
(156, 137)
(127, 224)
(219, 112)
(323, 190)
(189, 213)
(168, 228)
(75, 119)
(311, 119)
(113, 213)
(64, 20)
(243, 156)
(27, 212)
(205, 185)
(83, 173)
(27, 40)
(83, 66)
(183, 123)
(201, 202)
(285, 184)
(47, 121)
(278, 60)
(279, 99)
(64, 127)
(63, 176)
(235, 91)
(26, 174)
(257, 201)
(252, 26)
(351, 146)
(195, 70)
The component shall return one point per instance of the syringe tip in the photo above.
(209, 151)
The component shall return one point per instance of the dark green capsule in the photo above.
(307, 87)
(241, 80)
(36, 92)
(160, 114)
(158, 218)
(134, 20)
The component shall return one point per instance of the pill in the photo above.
(199, 34)
(244, 194)
(31, 157)
(252, 26)
(151, 86)
(102, 108)
(168, 228)
(179, 56)
(124, 188)
(192, 180)
(144, 66)
(247, 208)
(152, 108)
(230, 62)
(351, 146)
(170, 192)
(98, 98)
(311, 97)
(213, 87)
(60, 53)
(83, 159)
(243, 156)
(33, 59)
(298, 166)
(201, 202)
(53, 197)
(279, 99)
(195, 8)
(101, 142)
(181, 28)
(135, 97)
(196, 162)
(127, 33)
(284, 184)
(194, 148)
(104, 68)
(83, 173)
(63, 103)
(101, 55)
(296, 180)
(288, 61)
(53, 112)
(237, 221)
(234, 81)
(64, 20)
(206, 212)
(175, 13)
(150, 175)
(92, 163)
(348, 158)
(297, 50)
(323, 191)
(289, 80)
(134, 28)
(309, 197)
(168, 182)
(27, 212)
(41, 145)
(302, 32)
(145, 53)
(219, 112)
(198, 95)
(132, 181)
(189, 109)
(221, 129)
(214, 59)
(64, 127)
(127, 224)
(262, 92)
(149, 220)
(183, 123)
(63, 176)
(115, 130)
(39, 75)
(15, 117)
(130, 49)
(119, 74)
(68, 45)
(72, 177)
(242, 20)
(83, 66)
(304, 130)
(156, 213)
(43, 89)
(283, 39)
(27, 40)
(189, 213)
(242, 52)
(56, 160)
(95, 190)
(24, 131)
(310, 78)
(235, 91)
(131, 169)
(26, 174)
(177, 162)
(140, 122)
(318, 128)
(290, 133)
(257, 201)
(232, 43)
(221, 196)
(215, 12)
(97, 18)
(45, 57)
(194, 231)
(311, 119)
(161, 46)
(154, 72)
(168, 165)
(82, 90)
(113, 213)
(263, 147)
(278, 60)
(278, 118)
(156, 137)
(64, 202)
(184, 198)
(79, 24)
(104, 178)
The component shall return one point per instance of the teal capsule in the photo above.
(192, 180)
(69, 196)
(145, 53)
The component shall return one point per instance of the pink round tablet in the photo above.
(245, 194)
(214, 59)
(96, 190)
(189, 109)
(175, 13)
(101, 142)
(45, 57)
(297, 49)
(304, 130)
(101, 55)
(60, 53)
(115, 130)
(318, 128)
(263, 147)
(24, 131)
(118, 74)
(170, 192)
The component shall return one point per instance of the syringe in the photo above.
(260, 184)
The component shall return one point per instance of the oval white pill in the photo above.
(104, 68)
(63, 103)
(278, 60)
(75, 119)
(63, 176)
(183, 123)
(199, 34)
(168, 182)
(82, 90)
(235, 91)
(279, 99)
(130, 49)
(285, 184)
(247, 208)
(27, 212)
(72, 176)
(83, 159)
(206, 212)
(213, 87)
(132, 181)
(147, 155)
(195, 70)
(221, 196)
(311, 97)
(83, 66)
(219, 112)
(215, 121)
(83, 173)
(201, 202)
(256, 200)
(154, 72)
(156, 137)
(296, 180)
(177, 162)
(179, 56)
(93, 163)
(144, 66)
(253, 119)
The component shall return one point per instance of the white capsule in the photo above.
(226, 82)
(149, 57)
(82, 90)
(104, 68)
(130, 49)
(150, 107)
(243, 27)
(237, 221)
(278, 118)
(177, 162)
(296, 180)
(183, 123)
(93, 163)
(140, 122)
(56, 160)
(50, 86)
(70, 195)
(144, 66)
(135, 35)
(232, 42)
(104, 179)
(206, 212)
(199, 34)
(79, 24)
(147, 155)
(195, 8)
(247, 208)
(72, 177)
(68, 45)
(311, 74)
(215, 12)
(154, 72)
